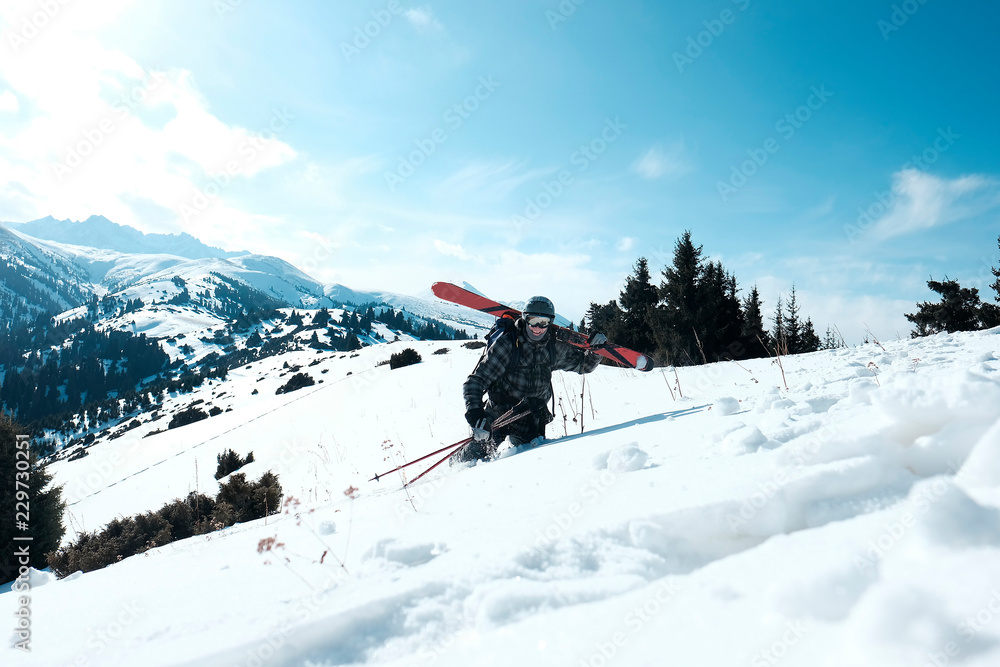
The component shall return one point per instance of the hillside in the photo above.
(712, 517)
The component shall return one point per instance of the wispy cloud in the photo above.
(8, 102)
(490, 180)
(625, 244)
(423, 19)
(922, 201)
(451, 250)
(658, 162)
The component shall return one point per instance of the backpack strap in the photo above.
(506, 324)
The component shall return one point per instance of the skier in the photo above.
(516, 371)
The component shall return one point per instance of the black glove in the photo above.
(479, 423)
(597, 340)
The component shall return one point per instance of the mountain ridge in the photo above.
(113, 236)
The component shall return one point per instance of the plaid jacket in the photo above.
(531, 377)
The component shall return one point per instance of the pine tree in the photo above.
(676, 316)
(719, 318)
(606, 319)
(996, 274)
(779, 332)
(638, 299)
(990, 312)
(809, 341)
(321, 318)
(754, 336)
(45, 526)
(959, 310)
(793, 325)
(830, 341)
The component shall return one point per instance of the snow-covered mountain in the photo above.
(100, 258)
(99, 232)
(841, 510)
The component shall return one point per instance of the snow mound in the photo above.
(408, 555)
(727, 405)
(626, 458)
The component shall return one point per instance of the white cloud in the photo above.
(919, 201)
(106, 135)
(625, 244)
(657, 163)
(451, 249)
(423, 18)
(8, 102)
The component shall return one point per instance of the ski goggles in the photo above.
(538, 321)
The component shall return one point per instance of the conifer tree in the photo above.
(990, 312)
(959, 310)
(719, 318)
(638, 299)
(45, 501)
(809, 341)
(754, 336)
(607, 319)
(779, 332)
(793, 325)
(676, 315)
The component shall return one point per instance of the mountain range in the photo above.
(58, 266)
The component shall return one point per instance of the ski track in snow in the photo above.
(851, 519)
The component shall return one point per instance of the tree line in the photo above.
(959, 308)
(695, 315)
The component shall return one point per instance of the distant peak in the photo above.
(98, 231)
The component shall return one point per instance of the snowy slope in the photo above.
(851, 519)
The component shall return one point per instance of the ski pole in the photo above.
(502, 420)
(427, 456)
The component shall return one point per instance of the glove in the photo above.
(479, 423)
(597, 340)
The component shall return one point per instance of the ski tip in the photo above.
(644, 363)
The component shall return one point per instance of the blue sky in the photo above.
(529, 146)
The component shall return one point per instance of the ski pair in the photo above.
(617, 353)
(503, 420)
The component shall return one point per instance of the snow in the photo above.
(850, 519)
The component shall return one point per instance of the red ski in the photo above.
(464, 297)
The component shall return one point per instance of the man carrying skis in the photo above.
(516, 371)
